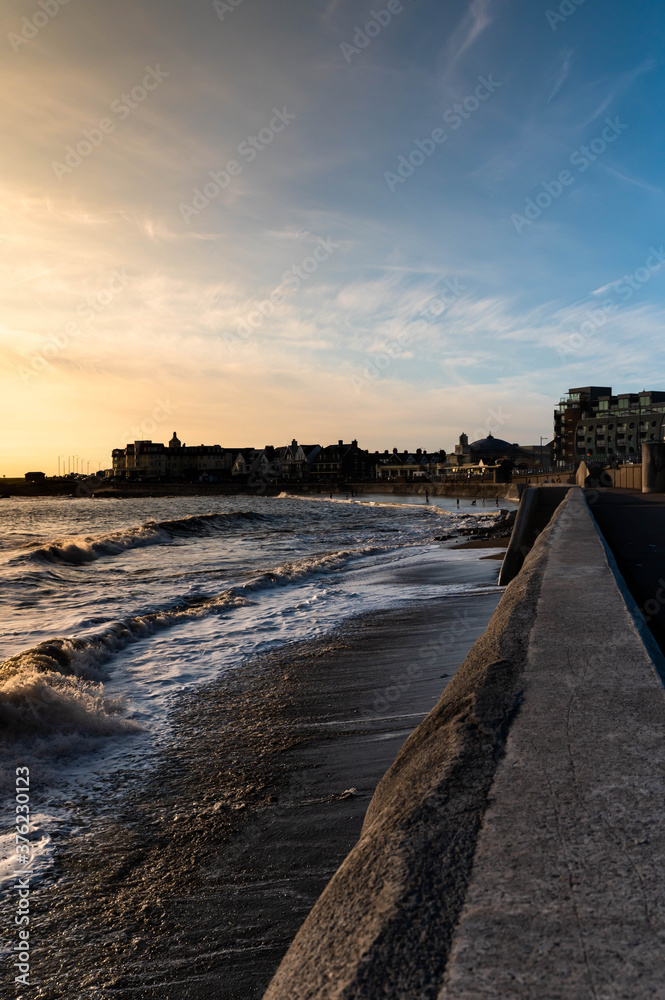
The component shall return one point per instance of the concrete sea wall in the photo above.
(515, 848)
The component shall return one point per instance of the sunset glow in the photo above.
(170, 173)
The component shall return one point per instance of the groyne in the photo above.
(515, 847)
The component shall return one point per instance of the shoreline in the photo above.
(212, 861)
(514, 847)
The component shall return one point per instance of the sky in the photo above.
(251, 221)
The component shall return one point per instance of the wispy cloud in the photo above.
(562, 76)
(33, 276)
(635, 181)
(478, 17)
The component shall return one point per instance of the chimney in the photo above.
(340, 442)
(354, 444)
(419, 451)
(394, 451)
(294, 443)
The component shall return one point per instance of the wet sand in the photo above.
(194, 881)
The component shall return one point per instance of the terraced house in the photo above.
(343, 462)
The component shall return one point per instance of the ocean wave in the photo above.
(37, 703)
(83, 549)
(84, 658)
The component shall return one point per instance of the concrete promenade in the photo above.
(633, 524)
(567, 898)
(516, 847)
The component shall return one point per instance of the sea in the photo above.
(115, 611)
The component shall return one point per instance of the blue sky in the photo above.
(432, 304)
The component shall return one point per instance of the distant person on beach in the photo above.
(426, 496)
(473, 503)
(497, 501)
(483, 501)
(458, 501)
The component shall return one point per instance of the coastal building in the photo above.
(292, 462)
(408, 466)
(490, 451)
(592, 424)
(212, 463)
(567, 416)
(297, 459)
(151, 460)
(340, 462)
(243, 461)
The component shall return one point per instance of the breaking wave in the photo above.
(57, 682)
(34, 702)
(84, 549)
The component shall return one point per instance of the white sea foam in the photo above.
(41, 856)
(134, 633)
(40, 684)
(36, 702)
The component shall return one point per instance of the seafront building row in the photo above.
(320, 464)
(591, 424)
